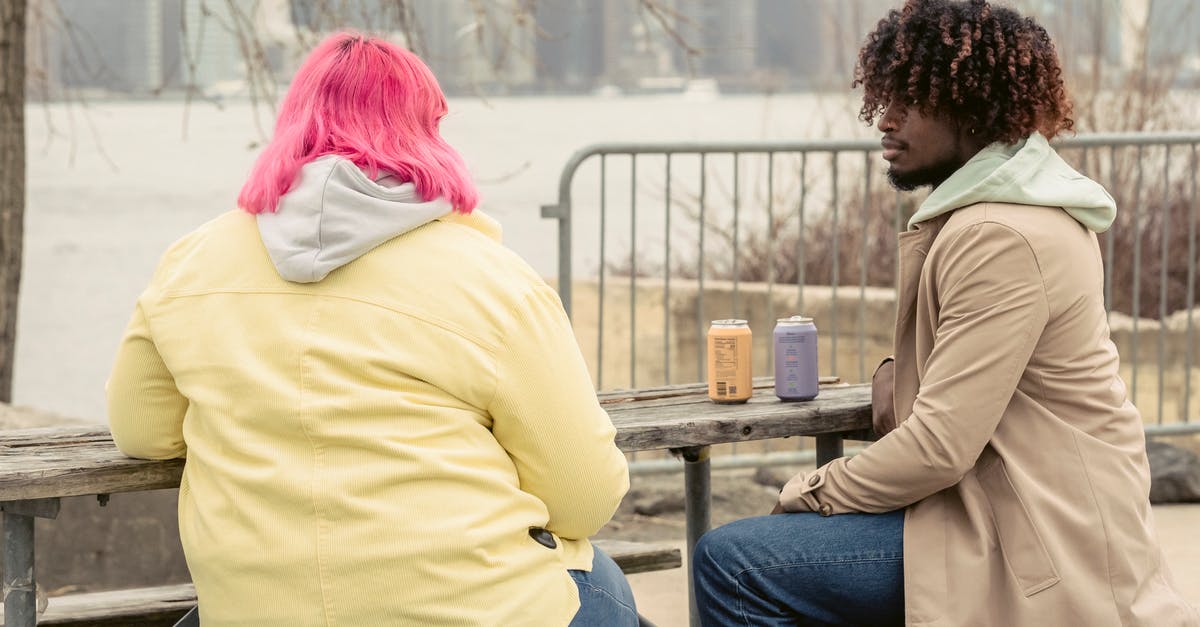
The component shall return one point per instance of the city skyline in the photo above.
(146, 47)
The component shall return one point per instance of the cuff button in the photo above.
(826, 509)
(814, 480)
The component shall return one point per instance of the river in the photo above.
(112, 184)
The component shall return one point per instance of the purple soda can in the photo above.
(796, 359)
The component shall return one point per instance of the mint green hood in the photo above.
(1028, 172)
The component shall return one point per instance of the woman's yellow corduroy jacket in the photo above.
(371, 448)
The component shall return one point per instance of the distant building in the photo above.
(492, 49)
(1176, 41)
(571, 52)
(143, 46)
(120, 45)
(725, 32)
(1088, 34)
(792, 49)
(211, 50)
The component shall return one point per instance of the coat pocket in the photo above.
(1020, 543)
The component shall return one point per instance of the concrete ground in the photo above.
(662, 596)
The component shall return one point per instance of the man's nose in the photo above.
(889, 121)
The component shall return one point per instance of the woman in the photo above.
(385, 416)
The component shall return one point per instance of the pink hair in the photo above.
(373, 103)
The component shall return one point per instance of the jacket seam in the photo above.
(140, 306)
(1103, 525)
(1036, 262)
(1040, 381)
(291, 292)
(513, 318)
(149, 318)
(317, 456)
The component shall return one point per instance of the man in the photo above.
(1014, 490)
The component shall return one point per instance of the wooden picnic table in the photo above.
(40, 466)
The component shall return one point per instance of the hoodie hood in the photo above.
(1029, 172)
(335, 214)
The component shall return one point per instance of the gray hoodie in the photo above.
(335, 213)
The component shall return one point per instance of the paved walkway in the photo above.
(662, 596)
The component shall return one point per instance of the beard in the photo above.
(932, 175)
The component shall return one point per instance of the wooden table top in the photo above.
(73, 461)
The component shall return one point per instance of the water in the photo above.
(110, 188)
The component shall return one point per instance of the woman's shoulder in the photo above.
(219, 237)
(470, 244)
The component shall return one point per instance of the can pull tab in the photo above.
(543, 537)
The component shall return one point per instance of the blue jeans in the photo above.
(604, 595)
(804, 569)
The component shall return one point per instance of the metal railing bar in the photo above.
(862, 268)
(800, 263)
(737, 252)
(769, 357)
(600, 296)
(855, 145)
(633, 271)
(1108, 237)
(833, 281)
(1137, 273)
(1191, 285)
(1162, 279)
(737, 206)
(899, 218)
(701, 343)
(1178, 428)
(667, 278)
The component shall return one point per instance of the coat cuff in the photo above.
(802, 493)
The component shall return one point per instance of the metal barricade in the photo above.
(648, 210)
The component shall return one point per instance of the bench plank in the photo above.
(44, 463)
(641, 557)
(163, 605)
(134, 607)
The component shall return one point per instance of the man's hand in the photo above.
(883, 410)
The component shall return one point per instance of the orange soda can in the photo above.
(730, 379)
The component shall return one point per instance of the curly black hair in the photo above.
(988, 69)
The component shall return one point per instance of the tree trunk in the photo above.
(12, 179)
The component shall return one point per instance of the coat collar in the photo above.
(913, 247)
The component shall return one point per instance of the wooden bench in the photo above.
(40, 466)
(163, 605)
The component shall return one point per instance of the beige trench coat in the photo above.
(1020, 460)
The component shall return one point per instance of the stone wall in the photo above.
(640, 330)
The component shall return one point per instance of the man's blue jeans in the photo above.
(803, 568)
(604, 595)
